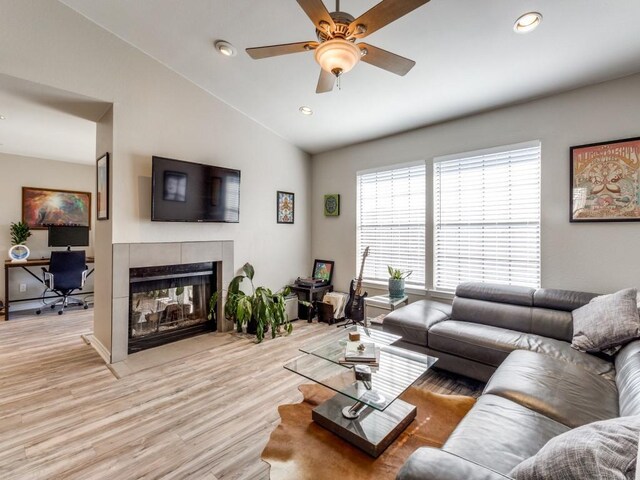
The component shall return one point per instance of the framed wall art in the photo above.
(102, 187)
(285, 207)
(42, 207)
(605, 181)
(332, 205)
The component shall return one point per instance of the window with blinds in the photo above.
(487, 217)
(391, 221)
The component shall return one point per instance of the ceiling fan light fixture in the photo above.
(225, 48)
(528, 22)
(337, 56)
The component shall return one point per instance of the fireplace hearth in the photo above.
(169, 303)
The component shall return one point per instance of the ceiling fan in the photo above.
(336, 51)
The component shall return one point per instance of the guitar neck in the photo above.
(358, 290)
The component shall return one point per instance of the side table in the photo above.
(383, 302)
(311, 295)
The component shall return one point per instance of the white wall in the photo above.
(158, 112)
(17, 172)
(600, 257)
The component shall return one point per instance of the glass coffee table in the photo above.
(369, 418)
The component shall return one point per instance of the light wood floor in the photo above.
(207, 416)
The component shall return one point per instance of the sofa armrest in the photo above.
(428, 463)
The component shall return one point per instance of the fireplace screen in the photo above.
(169, 303)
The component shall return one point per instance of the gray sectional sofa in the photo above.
(517, 339)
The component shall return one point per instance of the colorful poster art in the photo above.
(44, 207)
(605, 181)
(285, 203)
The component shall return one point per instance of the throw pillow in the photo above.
(606, 450)
(607, 322)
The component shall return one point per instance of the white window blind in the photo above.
(487, 218)
(391, 221)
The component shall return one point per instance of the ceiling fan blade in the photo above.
(386, 60)
(382, 14)
(317, 12)
(325, 82)
(284, 49)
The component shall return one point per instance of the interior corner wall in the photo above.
(18, 171)
(102, 306)
(158, 112)
(597, 257)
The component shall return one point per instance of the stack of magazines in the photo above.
(361, 353)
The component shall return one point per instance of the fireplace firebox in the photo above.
(169, 303)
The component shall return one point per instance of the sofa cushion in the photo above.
(628, 378)
(606, 322)
(605, 450)
(499, 433)
(565, 300)
(560, 390)
(503, 315)
(492, 292)
(491, 345)
(429, 463)
(413, 321)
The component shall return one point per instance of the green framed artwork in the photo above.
(332, 205)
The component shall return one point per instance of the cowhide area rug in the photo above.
(299, 449)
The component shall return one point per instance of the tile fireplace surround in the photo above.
(136, 255)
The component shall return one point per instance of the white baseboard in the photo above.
(98, 347)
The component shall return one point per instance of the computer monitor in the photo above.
(63, 236)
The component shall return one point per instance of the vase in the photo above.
(19, 253)
(396, 287)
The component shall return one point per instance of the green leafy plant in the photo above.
(262, 307)
(398, 274)
(19, 233)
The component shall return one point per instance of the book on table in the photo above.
(372, 363)
(354, 352)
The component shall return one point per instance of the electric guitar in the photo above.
(355, 306)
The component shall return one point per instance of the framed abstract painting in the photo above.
(605, 181)
(285, 207)
(102, 187)
(42, 207)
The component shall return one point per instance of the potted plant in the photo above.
(20, 232)
(260, 310)
(396, 281)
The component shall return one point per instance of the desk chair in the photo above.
(67, 273)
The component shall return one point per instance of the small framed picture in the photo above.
(332, 205)
(102, 187)
(286, 206)
(323, 270)
(605, 181)
(174, 187)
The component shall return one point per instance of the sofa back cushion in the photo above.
(628, 378)
(545, 312)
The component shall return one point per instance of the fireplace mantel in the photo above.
(136, 255)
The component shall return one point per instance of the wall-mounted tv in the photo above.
(194, 192)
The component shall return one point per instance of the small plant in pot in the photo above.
(259, 311)
(396, 281)
(20, 233)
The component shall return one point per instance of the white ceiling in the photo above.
(468, 58)
(45, 122)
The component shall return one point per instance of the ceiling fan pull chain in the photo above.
(339, 82)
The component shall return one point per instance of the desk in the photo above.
(42, 262)
(311, 295)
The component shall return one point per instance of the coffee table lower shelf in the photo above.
(373, 431)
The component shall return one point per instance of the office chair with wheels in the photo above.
(67, 273)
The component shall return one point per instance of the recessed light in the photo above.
(528, 22)
(225, 48)
(306, 110)
(2, 117)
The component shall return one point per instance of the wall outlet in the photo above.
(23, 287)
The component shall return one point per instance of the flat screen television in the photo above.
(193, 192)
(73, 236)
